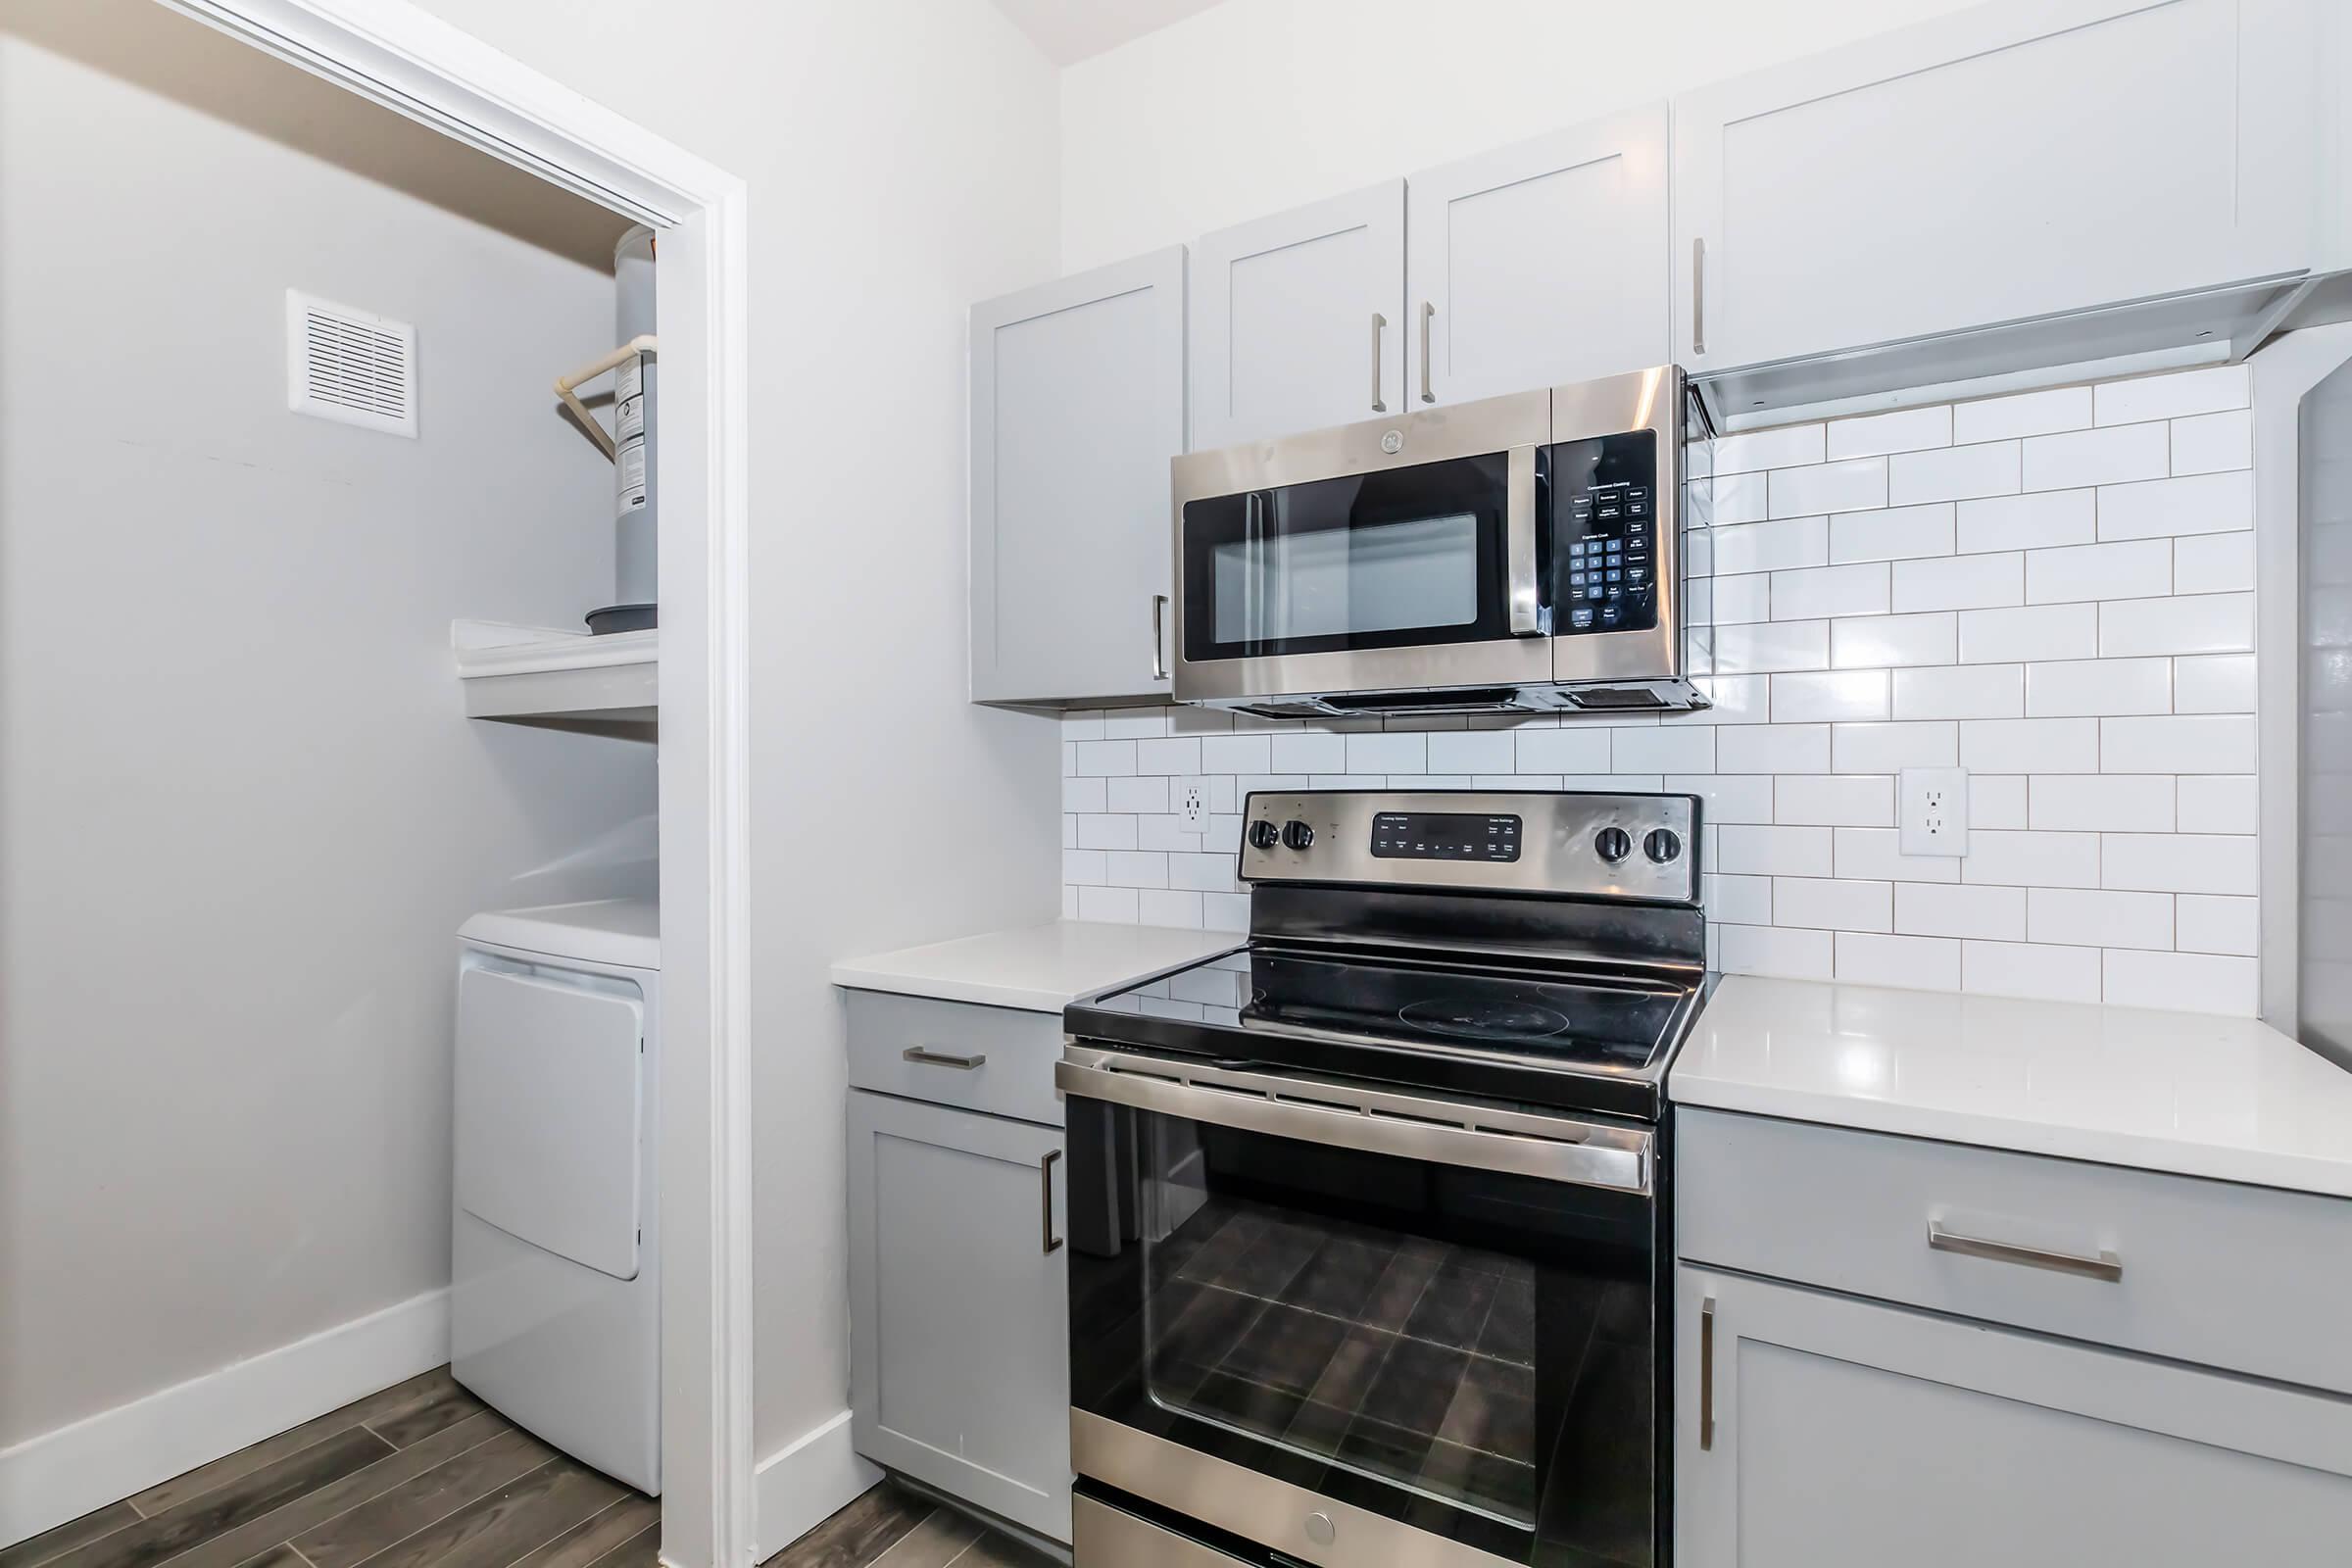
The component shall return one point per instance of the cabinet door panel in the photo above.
(1848, 1433)
(2001, 163)
(958, 1316)
(1285, 338)
(1077, 408)
(1541, 262)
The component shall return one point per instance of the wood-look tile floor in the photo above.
(420, 1475)
(891, 1527)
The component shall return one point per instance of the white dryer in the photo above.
(556, 1293)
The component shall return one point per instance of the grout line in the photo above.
(574, 1525)
(299, 1552)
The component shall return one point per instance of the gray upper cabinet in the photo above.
(959, 1305)
(1818, 1431)
(1540, 262)
(2001, 163)
(1077, 408)
(1300, 319)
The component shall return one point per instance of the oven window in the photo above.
(1465, 1351)
(1401, 558)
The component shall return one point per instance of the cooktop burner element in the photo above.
(1564, 975)
(1484, 1018)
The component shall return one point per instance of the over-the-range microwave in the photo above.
(1542, 551)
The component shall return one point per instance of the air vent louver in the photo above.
(350, 366)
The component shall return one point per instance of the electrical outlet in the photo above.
(1192, 803)
(1935, 811)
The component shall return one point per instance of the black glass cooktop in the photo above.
(1588, 1040)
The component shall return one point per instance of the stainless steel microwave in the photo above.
(1527, 551)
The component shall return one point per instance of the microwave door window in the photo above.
(1413, 575)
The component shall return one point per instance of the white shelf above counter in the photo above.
(560, 679)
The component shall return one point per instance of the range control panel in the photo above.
(1602, 846)
(1604, 534)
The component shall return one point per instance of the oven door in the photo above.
(1399, 555)
(1363, 1326)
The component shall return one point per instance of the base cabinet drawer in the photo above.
(1816, 1431)
(2247, 1279)
(999, 1061)
(960, 1366)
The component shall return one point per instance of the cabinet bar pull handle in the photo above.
(940, 1058)
(1379, 323)
(1706, 1373)
(1045, 1193)
(2106, 1266)
(1160, 636)
(1698, 295)
(1428, 312)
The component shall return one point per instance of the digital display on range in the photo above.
(1445, 836)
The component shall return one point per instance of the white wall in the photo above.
(901, 159)
(1256, 106)
(2054, 591)
(241, 815)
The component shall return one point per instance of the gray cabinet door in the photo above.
(2001, 163)
(1540, 262)
(1818, 1431)
(960, 1369)
(1300, 319)
(1077, 408)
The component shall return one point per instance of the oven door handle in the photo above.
(1586, 1155)
(1519, 545)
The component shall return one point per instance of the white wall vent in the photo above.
(350, 366)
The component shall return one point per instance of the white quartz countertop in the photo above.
(1042, 968)
(2229, 1098)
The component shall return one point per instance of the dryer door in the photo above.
(549, 1112)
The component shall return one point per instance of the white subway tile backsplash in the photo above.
(2213, 443)
(2213, 503)
(1831, 906)
(1825, 696)
(2110, 454)
(2079, 687)
(2174, 395)
(2187, 743)
(2060, 609)
(2039, 520)
(2132, 569)
(1960, 691)
(2093, 919)
(2024, 970)
(1923, 964)
(2066, 408)
(1960, 582)
(1883, 642)
(1904, 430)
(2190, 623)
(1780, 546)
(2032, 859)
(2030, 746)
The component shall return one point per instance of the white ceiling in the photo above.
(1072, 30)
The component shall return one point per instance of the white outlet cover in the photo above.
(1191, 802)
(1932, 807)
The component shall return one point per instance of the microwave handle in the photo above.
(1519, 545)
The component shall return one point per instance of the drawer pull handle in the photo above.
(2106, 1266)
(940, 1058)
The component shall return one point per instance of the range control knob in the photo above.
(1612, 843)
(1264, 835)
(1297, 834)
(1662, 845)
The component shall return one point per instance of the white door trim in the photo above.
(411, 62)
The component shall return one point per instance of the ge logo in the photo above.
(1392, 442)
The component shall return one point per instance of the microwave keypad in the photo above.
(1605, 539)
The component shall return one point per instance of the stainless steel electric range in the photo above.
(1368, 1222)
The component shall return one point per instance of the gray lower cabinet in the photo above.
(1821, 1431)
(958, 1309)
(1078, 405)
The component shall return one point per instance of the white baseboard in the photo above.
(64, 1474)
(805, 1483)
